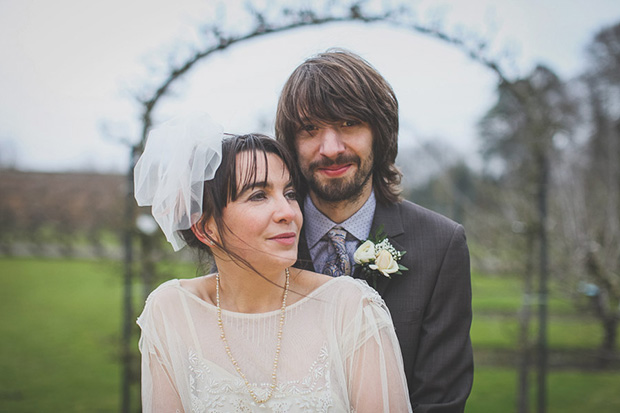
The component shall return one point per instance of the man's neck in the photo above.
(343, 210)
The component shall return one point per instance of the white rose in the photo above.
(364, 253)
(384, 263)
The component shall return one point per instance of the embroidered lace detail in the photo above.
(371, 294)
(211, 393)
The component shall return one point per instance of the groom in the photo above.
(340, 117)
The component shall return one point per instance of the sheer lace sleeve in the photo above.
(159, 392)
(376, 377)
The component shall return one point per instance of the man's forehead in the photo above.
(326, 120)
(316, 112)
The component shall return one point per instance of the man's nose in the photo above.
(331, 142)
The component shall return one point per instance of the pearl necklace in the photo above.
(278, 345)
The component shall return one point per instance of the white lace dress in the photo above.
(339, 354)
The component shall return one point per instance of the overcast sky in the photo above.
(68, 67)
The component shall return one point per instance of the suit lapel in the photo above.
(304, 261)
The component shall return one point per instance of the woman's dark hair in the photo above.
(224, 188)
(339, 85)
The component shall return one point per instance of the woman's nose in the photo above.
(285, 210)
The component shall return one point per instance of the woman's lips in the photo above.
(288, 238)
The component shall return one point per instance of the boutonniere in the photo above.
(377, 256)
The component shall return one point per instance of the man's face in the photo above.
(336, 158)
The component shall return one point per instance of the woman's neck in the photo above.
(243, 290)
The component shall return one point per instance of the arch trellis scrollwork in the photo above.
(472, 45)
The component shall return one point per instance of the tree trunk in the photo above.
(543, 288)
(525, 315)
(608, 349)
(609, 322)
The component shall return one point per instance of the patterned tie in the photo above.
(338, 264)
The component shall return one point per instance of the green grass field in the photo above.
(60, 328)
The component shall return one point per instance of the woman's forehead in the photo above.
(256, 166)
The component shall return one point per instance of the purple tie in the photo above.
(338, 264)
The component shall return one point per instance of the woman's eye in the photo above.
(257, 196)
(291, 195)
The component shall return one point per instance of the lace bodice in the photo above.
(339, 354)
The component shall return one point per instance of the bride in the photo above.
(257, 335)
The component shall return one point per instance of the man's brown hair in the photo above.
(339, 85)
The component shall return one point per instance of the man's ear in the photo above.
(206, 231)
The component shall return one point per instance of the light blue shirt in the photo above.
(318, 225)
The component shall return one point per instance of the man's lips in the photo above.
(334, 170)
(286, 238)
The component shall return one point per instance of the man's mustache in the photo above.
(340, 160)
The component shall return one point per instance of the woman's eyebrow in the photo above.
(255, 184)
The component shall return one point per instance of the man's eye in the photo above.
(348, 123)
(308, 128)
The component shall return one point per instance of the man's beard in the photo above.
(340, 189)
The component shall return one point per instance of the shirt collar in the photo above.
(358, 224)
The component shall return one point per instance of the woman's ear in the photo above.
(206, 231)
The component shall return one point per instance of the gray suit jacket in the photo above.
(430, 303)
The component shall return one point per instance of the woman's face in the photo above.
(264, 222)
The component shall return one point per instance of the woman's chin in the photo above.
(285, 260)
(269, 262)
(288, 261)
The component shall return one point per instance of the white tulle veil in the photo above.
(179, 156)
